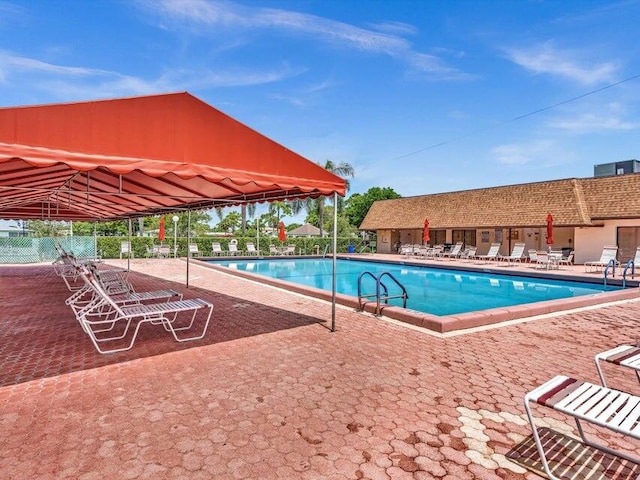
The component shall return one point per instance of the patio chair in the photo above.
(533, 257)
(106, 315)
(454, 252)
(623, 356)
(632, 264)
(469, 253)
(546, 261)
(193, 250)
(290, 250)
(609, 252)
(516, 254)
(568, 260)
(492, 254)
(216, 249)
(125, 249)
(598, 405)
(164, 251)
(273, 250)
(406, 250)
(251, 249)
(233, 249)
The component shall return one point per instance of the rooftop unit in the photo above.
(616, 168)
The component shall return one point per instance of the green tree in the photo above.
(357, 205)
(231, 221)
(47, 228)
(277, 210)
(317, 205)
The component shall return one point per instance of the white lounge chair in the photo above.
(633, 264)
(216, 249)
(454, 252)
(290, 250)
(622, 355)
(609, 252)
(125, 249)
(598, 405)
(516, 254)
(273, 250)
(251, 249)
(233, 249)
(193, 250)
(492, 254)
(104, 315)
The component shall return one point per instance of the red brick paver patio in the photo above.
(270, 393)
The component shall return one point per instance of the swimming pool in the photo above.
(435, 291)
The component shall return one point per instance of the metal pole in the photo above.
(258, 234)
(95, 242)
(175, 236)
(130, 248)
(335, 261)
(188, 242)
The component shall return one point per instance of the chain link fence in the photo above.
(34, 250)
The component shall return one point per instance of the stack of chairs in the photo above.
(111, 312)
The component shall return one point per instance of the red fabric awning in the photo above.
(142, 156)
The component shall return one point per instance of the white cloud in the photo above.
(590, 123)
(523, 154)
(546, 59)
(10, 63)
(81, 81)
(387, 40)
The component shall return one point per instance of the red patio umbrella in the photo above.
(425, 231)
(549, 229)
(161, 230)
(282, 235)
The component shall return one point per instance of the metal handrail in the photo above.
(612, 263)
(631, 264)
(380, 295)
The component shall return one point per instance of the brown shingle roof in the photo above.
(572, 202)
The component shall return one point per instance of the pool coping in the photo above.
(445, 323)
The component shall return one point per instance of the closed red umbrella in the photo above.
(425, 231)
(549, 229)
(161, 230)
(282, 235)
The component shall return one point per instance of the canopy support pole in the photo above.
(130, 248)
(95, 242)
(258, 234)
(334, 262)
(188, 242)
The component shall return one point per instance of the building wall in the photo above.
(590, 240)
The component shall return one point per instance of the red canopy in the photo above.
(161, 229)
(282, 234)
(142, 156)
(425, 231)
(549, 229)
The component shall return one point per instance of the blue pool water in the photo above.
(431, 290)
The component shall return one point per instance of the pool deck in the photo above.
(271, 393)
(454, 323)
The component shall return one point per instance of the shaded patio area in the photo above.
(270, 393)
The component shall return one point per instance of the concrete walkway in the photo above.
(270, 393)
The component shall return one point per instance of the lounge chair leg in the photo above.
(536, 438)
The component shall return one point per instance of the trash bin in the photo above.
(352, 249)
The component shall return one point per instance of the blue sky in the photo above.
(420, 96)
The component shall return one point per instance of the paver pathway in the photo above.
(270, 393)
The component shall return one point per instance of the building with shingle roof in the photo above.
(306, 230)
(588, 213)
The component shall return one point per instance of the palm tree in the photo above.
(342, 169)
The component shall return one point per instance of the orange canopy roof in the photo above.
(140, 156)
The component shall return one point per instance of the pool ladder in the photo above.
(382, 292)
(612, 263)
